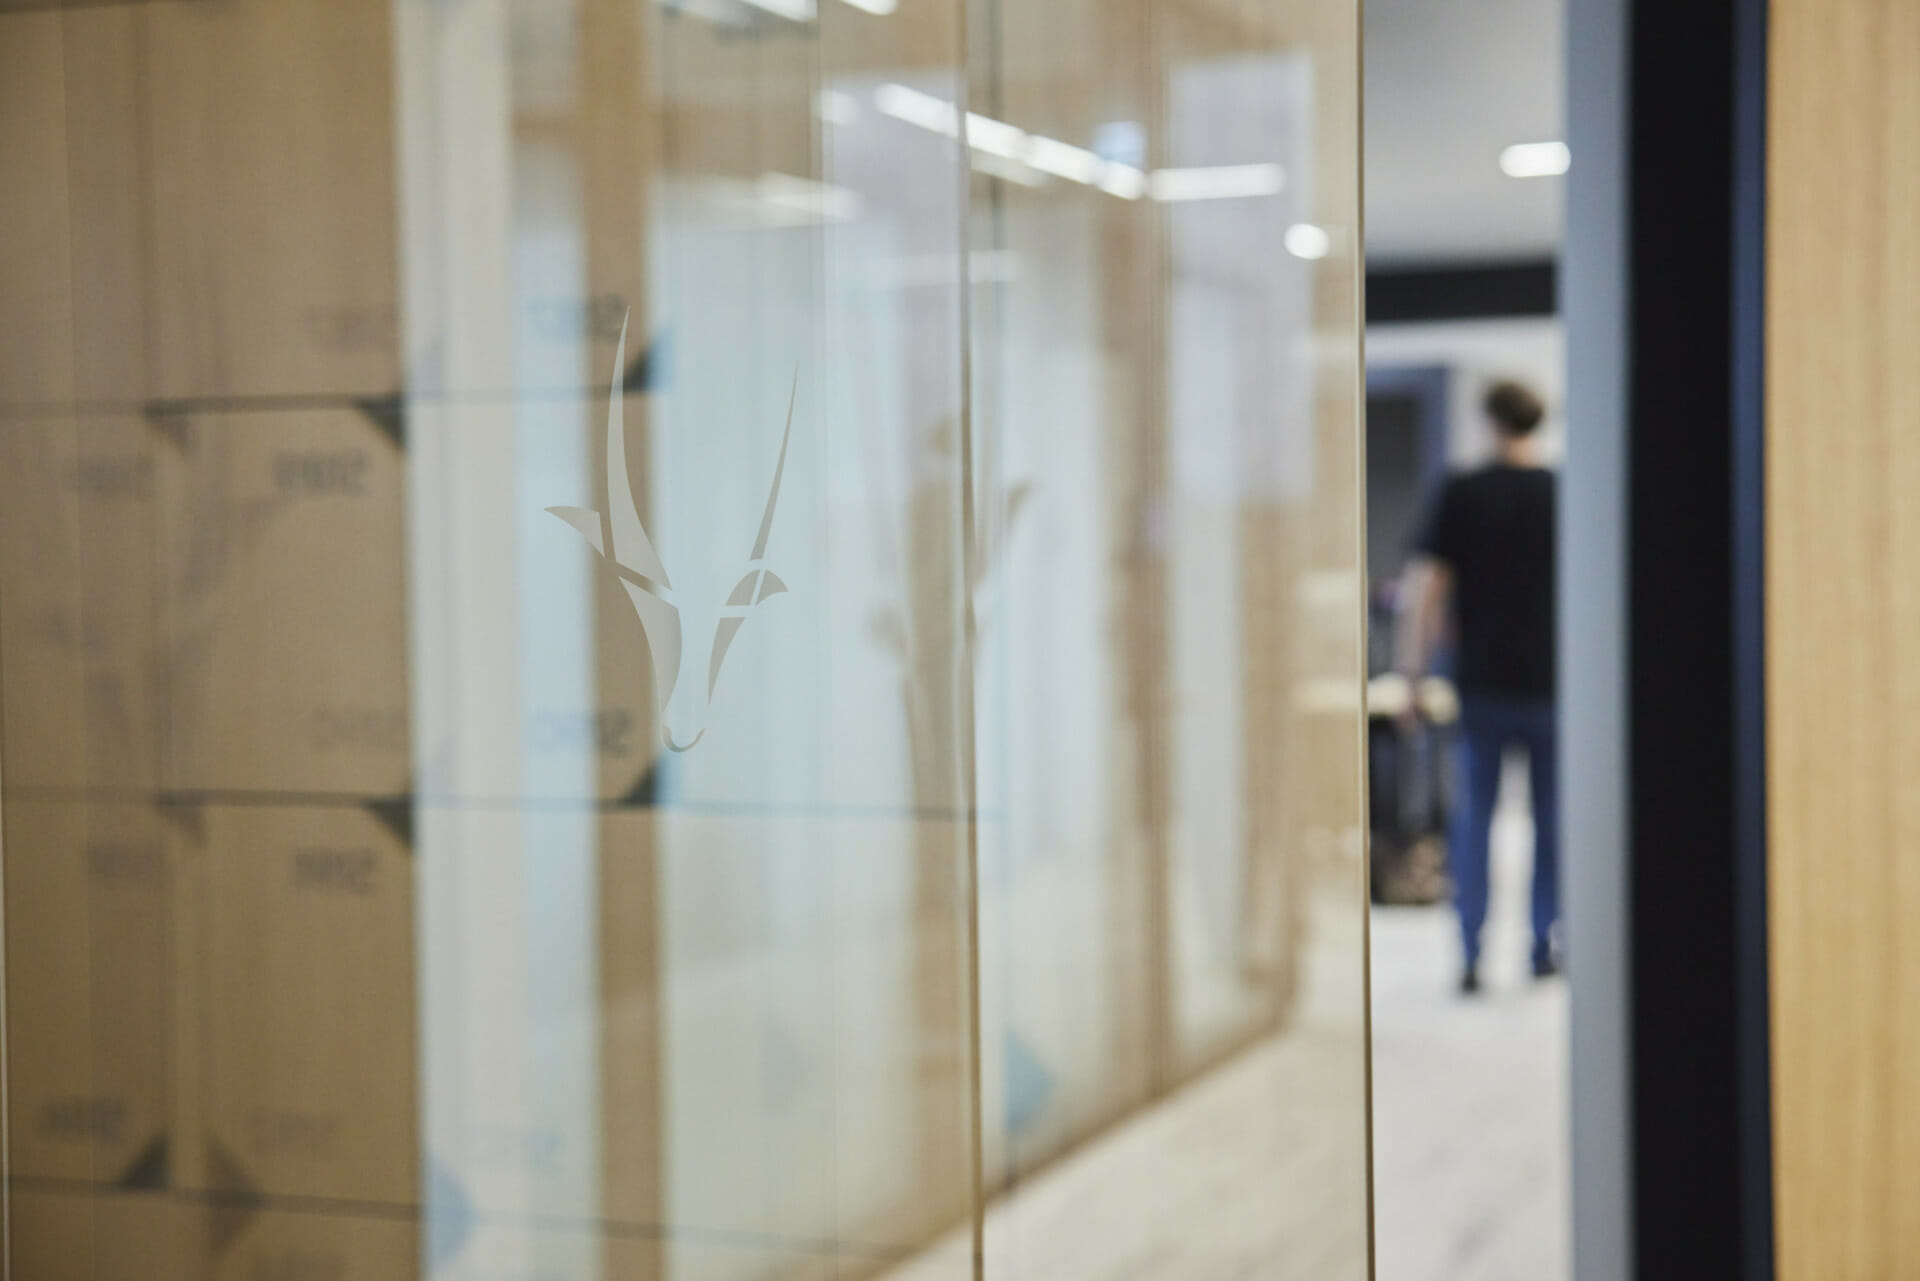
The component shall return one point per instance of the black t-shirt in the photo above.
(1494, 529)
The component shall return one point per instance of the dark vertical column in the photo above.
(1693, 642)
(1662, 631)
(1753, 1041)
(1680, 633)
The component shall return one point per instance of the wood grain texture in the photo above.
(1843, 609)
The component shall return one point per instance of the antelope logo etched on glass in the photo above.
(622, 542)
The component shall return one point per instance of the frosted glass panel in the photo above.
(1163, 360)
(680, 640)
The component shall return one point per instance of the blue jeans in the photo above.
(1488, 726)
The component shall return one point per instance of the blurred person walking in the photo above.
(1485, 559)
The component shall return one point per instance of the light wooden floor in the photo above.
(1470, 1150)
(1470, 1097)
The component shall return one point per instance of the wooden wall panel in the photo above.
(1843, 615)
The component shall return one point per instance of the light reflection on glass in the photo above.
(943, 838)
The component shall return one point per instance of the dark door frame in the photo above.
(1663, 641)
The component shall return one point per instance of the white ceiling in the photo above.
(1449, 84)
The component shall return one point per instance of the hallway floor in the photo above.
(1470, 1121)
(1470, 1112)
(1470, 1095)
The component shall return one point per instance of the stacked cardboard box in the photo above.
(79, 604)
(90, 992)
(214, 408)
(273, 254)
(205, 737)
(286, 600)
(62, 1233)
(305, 978)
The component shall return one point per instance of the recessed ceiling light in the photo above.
(881, 7)
(807, 199)
(1217, 182)
(918, 108)
(1535, 159)
(1009, 152)
(995, 137)
(1064, 160)
(1304, 240)
(836, 107)
(1123, 181)
(791, 10)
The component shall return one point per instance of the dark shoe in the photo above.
(1545, 964)
(1470, 981)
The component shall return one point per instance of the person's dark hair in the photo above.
(1515, 410)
